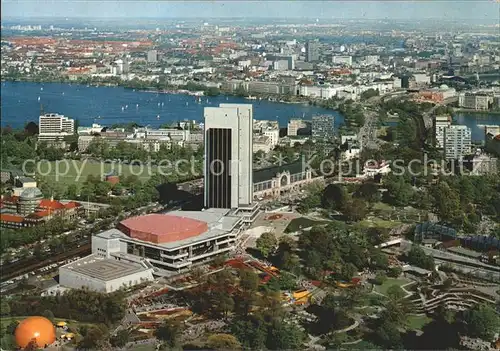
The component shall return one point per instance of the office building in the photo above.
(280, 65)
(323, 127)
(312, 51)
(290, 59)
(475, 101)
(228, 156)
(294, 125)
(440, 124)
(457, 142)
(54, 127)
(342, 60)
(152, 56)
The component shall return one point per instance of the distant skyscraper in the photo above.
(152, 56)
(323, 127)
(457, 141)
(440, 124)
(228, 156)
(312, 51)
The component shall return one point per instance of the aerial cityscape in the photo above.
(239, 175)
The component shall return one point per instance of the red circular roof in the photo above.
(162, 228)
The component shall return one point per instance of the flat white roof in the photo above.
(103, 269)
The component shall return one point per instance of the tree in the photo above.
(481, 321)
(334, 197)
(369, 192)
(49, 315)
(388, 335)
(249, 280)
(168, 333)
(394, 271)
(120, 339)
(378, 260)
(251, 332)
(447, 203)
(395, 292)
(347, 272)
(223, 342)
(380, 278)
(399, 191)
(266, 244)
(284, 336)
(355, 210)
(4, 308)
(417, 257)
(287, 281)
(94, 339)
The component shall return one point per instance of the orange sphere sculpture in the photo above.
(35, 329)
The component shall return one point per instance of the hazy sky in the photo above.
(444, 9)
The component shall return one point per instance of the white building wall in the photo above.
(74, 280)
(274, 135)
(103, 247)
(129, 280)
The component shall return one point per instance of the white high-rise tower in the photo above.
(228, 156)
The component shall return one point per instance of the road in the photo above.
(367, 135)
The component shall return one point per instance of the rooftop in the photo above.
(265, 174)
(103, 269)
(218, 220)
(163, 228)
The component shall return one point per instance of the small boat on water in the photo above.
(63, 93)
(187, 103)
(158, 104)
(39, 98)
(162, 103)
(158, 117)
(123, 108)
(41, 89)
(136, 105)
(126, 106)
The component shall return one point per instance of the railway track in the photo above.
(23, 267)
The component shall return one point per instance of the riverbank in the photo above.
(477, 112)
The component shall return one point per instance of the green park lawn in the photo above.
(382, 207)
(379, 223)
(382, 289)
(74, 171)
(417, 322)
(302, 223)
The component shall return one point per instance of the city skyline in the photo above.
(402, 10)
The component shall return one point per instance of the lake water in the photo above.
(476, 122)
(20, 103)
